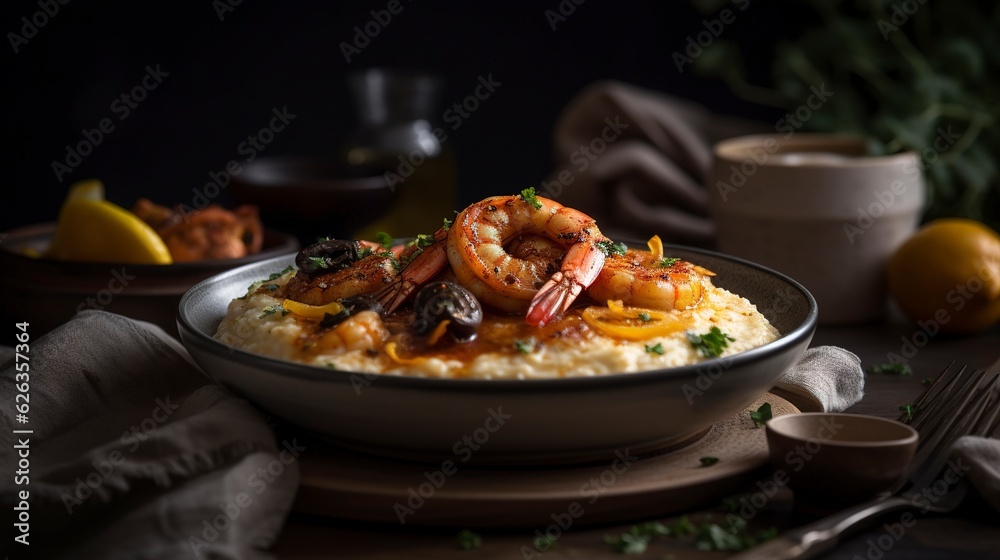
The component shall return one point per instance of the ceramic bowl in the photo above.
(833, 459)
(507, 421)
(48, 292)
(311, 197)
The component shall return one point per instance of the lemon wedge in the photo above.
(88, 189)
(96, 230)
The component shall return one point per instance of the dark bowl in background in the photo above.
(47, 292)
(312, 196)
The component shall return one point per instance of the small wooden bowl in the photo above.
(831, 460)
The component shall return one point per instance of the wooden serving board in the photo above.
(345, 484)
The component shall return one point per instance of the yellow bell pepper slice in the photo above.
(314, 312)
(632, 323)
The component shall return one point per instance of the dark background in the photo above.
(226, 76)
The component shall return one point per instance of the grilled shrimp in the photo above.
(423, 264)
(645, 279)
(476, 250)
(334, 269)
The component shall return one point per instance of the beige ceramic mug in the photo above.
(817, 208)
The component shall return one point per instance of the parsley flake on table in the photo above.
(468, 540)
(609, 247)
(655, 349)
(667, 262)
(712, 536)
(897, 368)
(711, 344)
(543, 543)
(627, 543)
(761, 415)
(927, 382)
(909, 409)
(706, 461)
(682, 526)
(528, 195)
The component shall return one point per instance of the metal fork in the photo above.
(955, 404)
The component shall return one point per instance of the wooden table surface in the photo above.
(973, 532)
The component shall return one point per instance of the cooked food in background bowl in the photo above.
(138, 264)
(500, 337)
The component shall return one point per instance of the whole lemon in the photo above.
(949, 272)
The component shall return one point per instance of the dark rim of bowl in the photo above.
(911, 434)
(284, 240)
(303, 371)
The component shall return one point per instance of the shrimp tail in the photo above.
(421, 269)
(582, 264)
(553, 299)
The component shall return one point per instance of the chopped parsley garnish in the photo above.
(270, 287)
(271, 310)
(609, 247)
(682, 526)
(319, 262)
(525, 346)
(909, 409)
(638, 537)
(711, 344)
(898, 368)
(652, 528)
(383, 239)
(706, 461)
(667, 262)
(365, 252)
(446, 224)
(627, 543)
(468, 540)
(655, 349)
(528, 195)
(644, 317)
(712, 536)
(543, 543)
(422, 241)
(276, 275)
(761, 415)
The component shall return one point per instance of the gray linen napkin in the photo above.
(825, 379)
(636, 161)
(136, 454)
